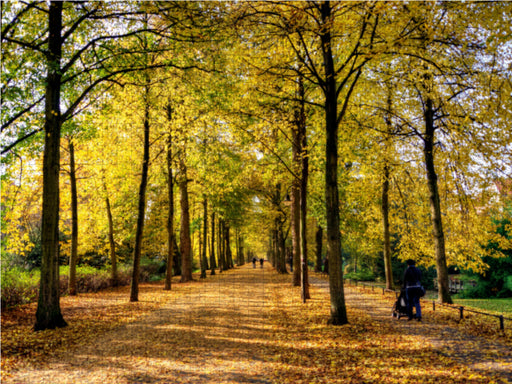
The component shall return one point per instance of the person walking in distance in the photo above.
(413, 289)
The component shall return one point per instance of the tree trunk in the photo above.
(213, 264)
(113, 258)
(170, 210)
(318, 237)
(385, 227)
(435, 205)
(304, 282)
(185, 242)
(228, 253)
(220, 246)
(338, 308)
(176, 258)
(204, 261)
(295, 207)
(48, 314)
(385, 200)
(134, 291)
(272, 247)
(240, 249)
(73, 258)
(304, 166)
(280, 248)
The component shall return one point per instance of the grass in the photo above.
(498, 306)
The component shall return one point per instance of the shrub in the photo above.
(151, 269)
(361, 275)
(19, 286)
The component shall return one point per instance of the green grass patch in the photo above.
(497, 306)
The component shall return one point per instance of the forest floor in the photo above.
(248, 326)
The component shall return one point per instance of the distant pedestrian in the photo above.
(290, 261)
(261, 262)
(254, 262)
(413, 289)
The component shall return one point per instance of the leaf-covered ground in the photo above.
(247, 326)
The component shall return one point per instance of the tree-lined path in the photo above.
(249, 326)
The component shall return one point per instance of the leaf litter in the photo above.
(246, 326)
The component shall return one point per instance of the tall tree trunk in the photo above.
(134, 291)
(176, 258)
(222, 246)
(304, 282)
(318, 237)
(73, 258)
(48, 314)
(435, 205)
(337, 295)
(112, 245)
(280, 248)
(295, 207)
(240, 248)
(170, 210)
(227, 238)
(304, 166)
(213, 265)
(204, 261)
(272, 248)
(385, 227)
(185, 241)
(385, 199)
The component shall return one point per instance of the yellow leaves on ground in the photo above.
(88, 315)
(245, 326)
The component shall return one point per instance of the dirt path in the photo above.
(477, 353)
(249, 326)
(210, 334)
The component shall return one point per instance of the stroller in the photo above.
(400, 306)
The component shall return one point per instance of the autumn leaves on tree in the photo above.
(384, 122)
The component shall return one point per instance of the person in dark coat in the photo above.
(413, 289)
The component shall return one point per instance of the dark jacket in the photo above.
(412, 277)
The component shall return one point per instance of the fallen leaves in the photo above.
(369, 349)
(89, 316)
(244, 326)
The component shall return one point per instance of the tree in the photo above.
(48, 315)
(86, 66)
(134, 291)
(185, 242)
(73, 258)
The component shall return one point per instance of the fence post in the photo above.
(502, 325)
(461, 309)
(433, 305)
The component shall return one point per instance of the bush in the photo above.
(361, 275)
(90, 279)
(19, 286)
(151, 269)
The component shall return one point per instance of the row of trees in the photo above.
(385, 123)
